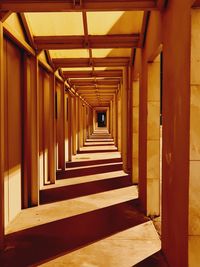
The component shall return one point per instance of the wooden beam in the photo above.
(92, 88)
(88, 74)
(90, 83)
(94, 91)
(4, 15)
(93, 41)
(87, 43)
(68, 5)
(161, 4)
(84, 62)
(144, 29)
(27, 29)
(17, 39)
(196, 4)
(49, 60)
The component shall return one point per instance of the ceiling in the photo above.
(89, 47)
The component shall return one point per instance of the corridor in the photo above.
(99, 133)
(89, 217)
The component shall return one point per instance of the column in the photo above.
(124, 125)
(153, 138)
(119, 130)
(114, 119)
(1, 140)
(52, 132)
(135, 133)
(194, 163)
(31, 139)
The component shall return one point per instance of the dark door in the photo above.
(101, 118)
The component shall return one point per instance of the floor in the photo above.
(89, 218)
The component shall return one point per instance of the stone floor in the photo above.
(89, 218)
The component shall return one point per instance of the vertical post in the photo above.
(111, 118)
(94, 120)
(1, 139)
(63, 115)
(52, 132)
(114, 119)
(30, 121)
(135, 133)
(129, 120)
(194, 161)
(74, 118)
(35, 142)
(119, 130)
(153, 138)
(70, 125)
(124, 123)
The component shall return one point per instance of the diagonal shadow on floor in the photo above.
(77, 190)
(155, 260)
(72, 164)
(39, 244)
(77, 172)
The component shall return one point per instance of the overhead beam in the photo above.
(88, 74)
(91, 83)
(92, 88)
(99, 93)
(94, 91)
(27, 29)
(144, 28)
(4, 15)
(91, 41)
(161, 4)
(85, 62)
(196, 4)
(68, 5)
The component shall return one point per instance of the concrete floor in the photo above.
(85, 220)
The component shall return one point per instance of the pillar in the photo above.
(111, 118)
(74, 118)
(114, 120)
(69, 126)
(129, 120)
(153, 138)
(1, 140)
(52, 132)
(80, 129)
(135, 133)
(194, 161)
(124, 120)
(30, 195)
(119, 129)
(63, 122)
(108, 119)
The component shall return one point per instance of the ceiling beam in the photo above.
(86, 36)
(88, 74)
(93, 41)
(196, 4)
(27, 29)
(94, 91)
(144, 28)
(161, 4)
(68, 5)
(4, 15)
(99, 93)
(92, 88)
(84, 62)
(91, 83)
